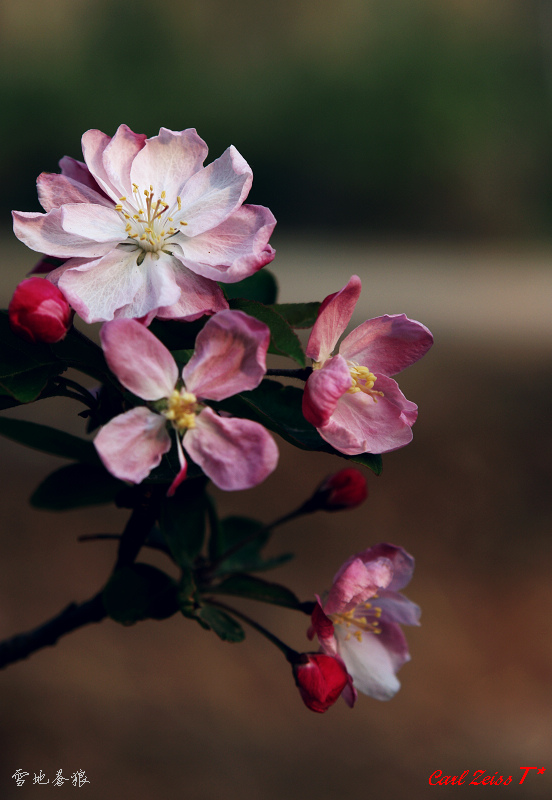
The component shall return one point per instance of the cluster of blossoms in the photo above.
(143, 231)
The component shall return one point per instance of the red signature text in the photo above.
(479, 778)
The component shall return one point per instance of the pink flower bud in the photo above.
(39, 312)
(344, 489)
(320, 679)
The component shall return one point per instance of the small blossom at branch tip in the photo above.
(344, 489)
(350, 397)
(320, 679)
(38, 312)
(143, 229)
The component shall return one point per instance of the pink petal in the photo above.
(403, 562)
(213, 193)
(370, 663)
(361, 425)
(94, 143)
(235, 453)
(387, 344)
(397, 608)
(168, 160)
(333, 317)
(229, 357)
(98, 223)
(356, 582)
(233, 250)
(133, 444)
(138, 359)
(323, 390)
(158, 288)
(55, 190)
(119, 155)
(44, 233)
(79, 172)
(198, 296)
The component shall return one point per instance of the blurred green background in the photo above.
(407, 141)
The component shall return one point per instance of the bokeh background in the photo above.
(408, 141)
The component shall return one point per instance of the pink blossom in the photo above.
(350, 397)
(359, 620)
(230, 357)
(39, 312)
(344, 489)
(145, 228)
(320, 679)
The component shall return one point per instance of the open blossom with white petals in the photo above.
(359, 621)
(229, 357)
(145, 228)
(350, 397)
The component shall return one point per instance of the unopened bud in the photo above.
(344, 489)
(39, 312)
(320, 679)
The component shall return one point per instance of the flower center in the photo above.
(362, 619)
(181, 409)
(149, 221)
(363, 381)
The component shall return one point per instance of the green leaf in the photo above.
(261, 286)
(49, 440)
(283, 340)
(222, 624)
(140, 591)
(25, 368)
(297, 315)
(279, 408)
(75, 486)
(241, 585)
(232, 531)
(183, 520)
(82, 353)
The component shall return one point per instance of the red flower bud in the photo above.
(39, 312)
(320, 679)
(344, 489)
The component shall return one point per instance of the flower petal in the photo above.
(167, 161)
(138, 359)
(235, 453)
(45, 234)
(387, 344)
(333, 317)
(229, 357)
(213, 193)
(395, 607)
(133, 444)
(369, 662)
(198, 296)
(94, 143)
(79, 172)
(233, 250)
(356, 582)
(55, 190)
(98, 223)
(119, 155)
(403, 562)
(361, 425)
(323, 390)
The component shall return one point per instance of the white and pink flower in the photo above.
(350, 397)
(145, 228)
(359, 622)
(229, 357)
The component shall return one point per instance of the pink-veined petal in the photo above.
(356, 582)
(167, 161)
(395, 607)
(98, 223)
(229, 357)
(158, 288)
(387, 344)
(213, 193)
(45, 234)
(54, 190)
(133, 444)
(138, 359)
(234, 453)
(94, 143)
(359, 424)
(323, 390)
(369, 662)
(118, 156)
(198, 296)
(235, 249)
(403, 562)
(79, 172)
(333, 317)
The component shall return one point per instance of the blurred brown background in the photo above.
(407, 142)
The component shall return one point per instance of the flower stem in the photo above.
(291, 655)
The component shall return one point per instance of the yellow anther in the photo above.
(181, 410)
(128, 227)
(179, 201)
(358, 635)
(183, 223)
(133, 235)
(163, 195)
(122, 199)
(134, 186)
(126, 216)
(118, 207)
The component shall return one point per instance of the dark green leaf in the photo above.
(25, 368)
(74, 486)
(222, 624)
(257, 589)
(27, 386)
(247, 558)
(140, 591)
(81, 353)
(298, 315)
(49, 440)
(278, 408)
(183, 519)
(261, 286)
(283, 340)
